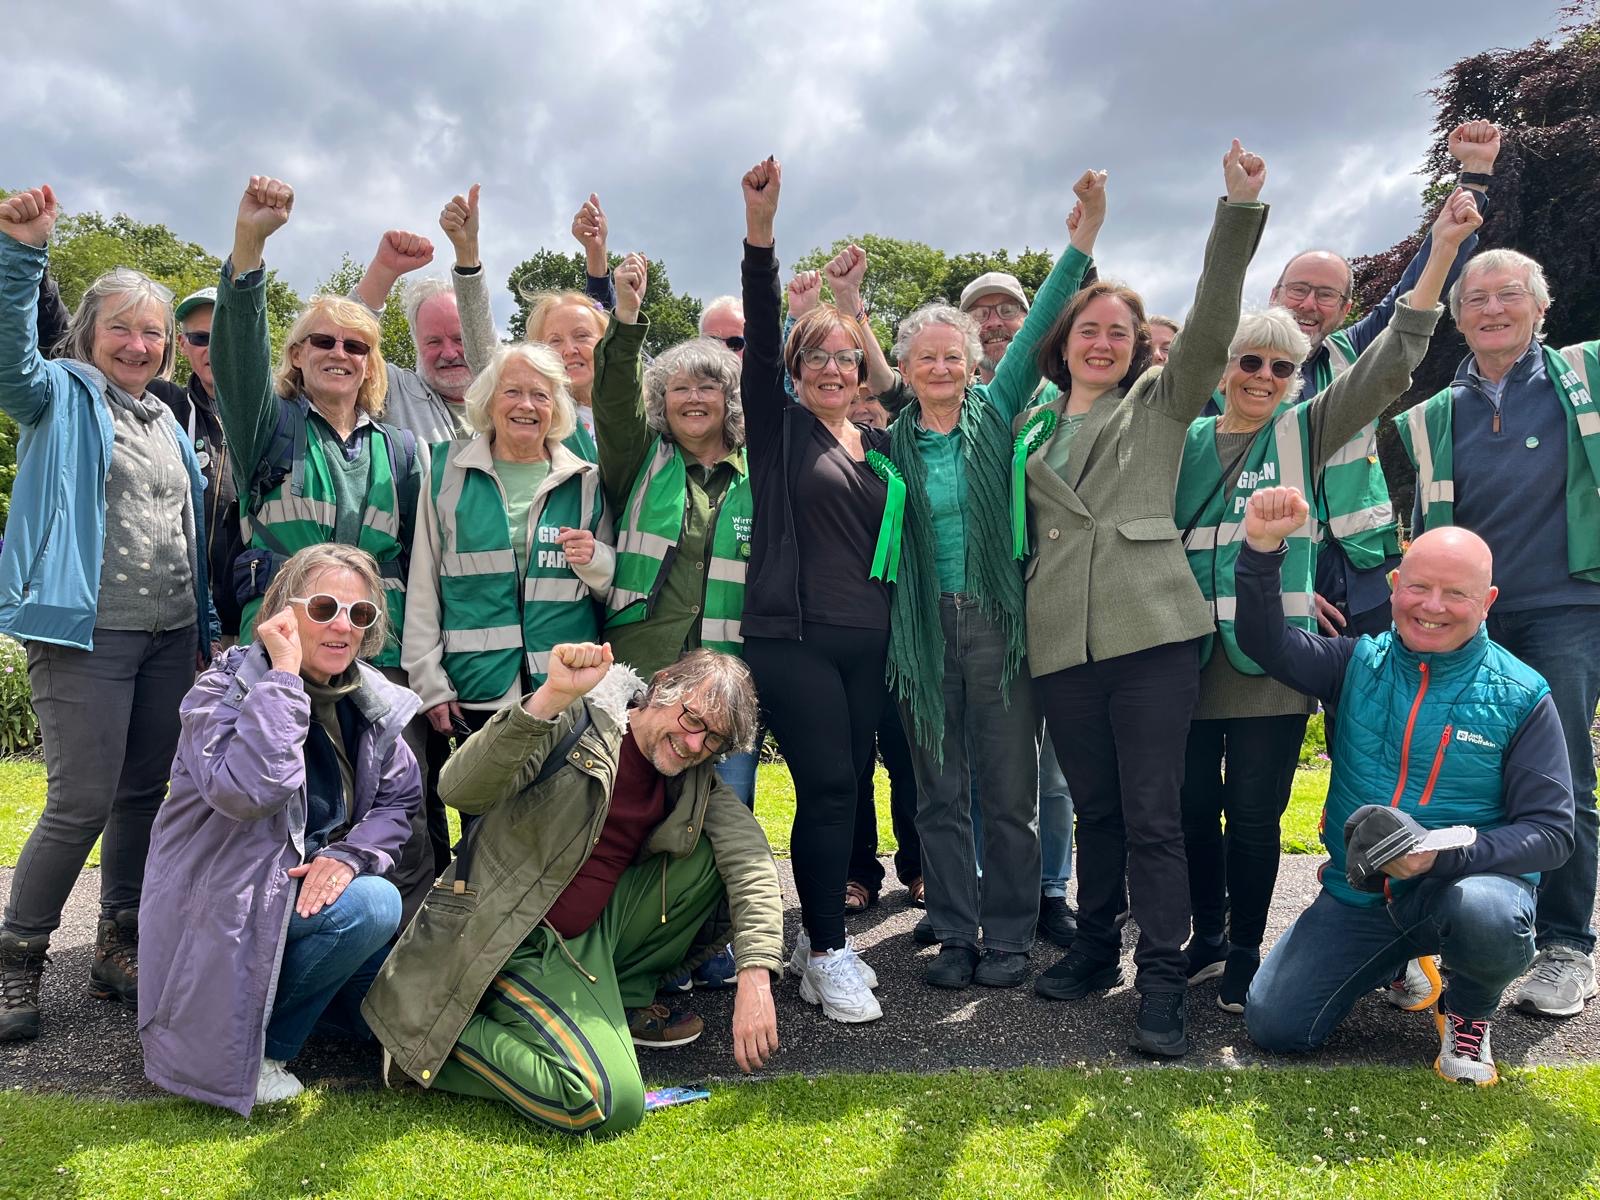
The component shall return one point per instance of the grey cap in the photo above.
(1377, 834)
(993, 281)
(206, 295)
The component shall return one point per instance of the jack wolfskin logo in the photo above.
(1476, 739)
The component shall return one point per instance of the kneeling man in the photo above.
(1437, 721)
(528, 975)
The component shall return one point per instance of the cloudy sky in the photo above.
(961, 124)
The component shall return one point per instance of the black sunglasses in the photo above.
(199, 340)
(326, 341)
(734, 343)
(1282, 368)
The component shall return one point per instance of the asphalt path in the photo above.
(90, 1047)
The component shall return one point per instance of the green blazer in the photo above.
(1108, 575)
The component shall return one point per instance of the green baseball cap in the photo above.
(188, 304)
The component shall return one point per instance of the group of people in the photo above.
(1059, 562)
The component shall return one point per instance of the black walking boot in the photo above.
(22, 963)
(115, 973)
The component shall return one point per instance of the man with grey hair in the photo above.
(531, 980)
(1511, 451)
(723, 319)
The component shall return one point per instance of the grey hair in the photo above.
(419, 293)
(939, 313)
(722, 686)
(699, 358)
(1501, 259)
(731, 303)
(118, 290)
(295, 575)
(563, 410)
(1273, 329)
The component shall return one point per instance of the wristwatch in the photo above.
(1480, 178)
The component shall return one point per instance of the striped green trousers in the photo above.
(550, 1037)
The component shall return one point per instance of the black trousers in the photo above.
(1120, 728)
(1241, 768)
(824, 696)
(865, 868)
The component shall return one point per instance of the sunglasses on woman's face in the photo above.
(352, 346)
(323, 608)
(1282, 368)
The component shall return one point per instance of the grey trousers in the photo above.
(1001, 730)
(109, 720)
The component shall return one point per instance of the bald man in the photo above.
(1442, 723)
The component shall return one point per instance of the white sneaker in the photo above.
(1418, 987)
(802, 955)
(1561, 982)
(276, 1082)
(1464, 1053)
(834, 981)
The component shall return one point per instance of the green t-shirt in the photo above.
(520, 481)
(1056, 453)
(947, 501)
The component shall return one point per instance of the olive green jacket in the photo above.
(1108, 575)
(530, 846)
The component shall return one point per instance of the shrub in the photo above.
(1314, 750)
(19, 728)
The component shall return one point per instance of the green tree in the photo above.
(674, 317)
(398, 347)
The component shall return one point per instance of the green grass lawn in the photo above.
(22, 798)
(1083, 1132)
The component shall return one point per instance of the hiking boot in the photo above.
(834, 981)
(1057, 922)
(1562, 980)
(802, 955)
(1075, 976)
(1207, 958)
(658, 1027)
(1161, 1028)
(953, 968)
(1001, 968)
(276, 1082)
(1464, 1054)
(1417, 987)
(114, 974)
(1243, 963)
(22, 963)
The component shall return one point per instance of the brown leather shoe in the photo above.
(115, 973)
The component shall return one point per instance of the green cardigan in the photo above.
(1108, 575)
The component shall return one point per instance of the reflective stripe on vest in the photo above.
(1352, 494)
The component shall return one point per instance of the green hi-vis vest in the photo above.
(1280, 456)
(1352, 495)
(492, 625)
(300, 511)
(647, 536)
(1426, 433)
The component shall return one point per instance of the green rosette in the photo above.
(886, 556)
(1035, 433)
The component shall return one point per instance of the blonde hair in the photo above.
(541, 305)
(541, 358)
(297, 572)
(289, 380)
(111, 295)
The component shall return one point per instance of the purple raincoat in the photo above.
(217, 893)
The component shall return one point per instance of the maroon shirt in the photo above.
(638, 805)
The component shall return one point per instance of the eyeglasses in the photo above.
(127, 279)
(1006, 312)
(1327, 297)
(704, 388)
(199, 340)
(352, 346)
(1282, 368)
(1509, 297)
(845, 360)
(734, 343)
(323, 608)
(692, 722)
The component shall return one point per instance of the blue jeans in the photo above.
(738, 771)
(329, 961)
(1055, 822)
(1335, 953)
(1563, 645)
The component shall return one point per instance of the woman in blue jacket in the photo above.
(102, 577)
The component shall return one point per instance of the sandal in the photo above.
(857, 899)
(917, 893)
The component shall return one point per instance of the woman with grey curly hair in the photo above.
(672, 461)
(1246, 723)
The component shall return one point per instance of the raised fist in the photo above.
(30, 216)
(1272, 515)
(805, 293)
(630, 277)
(279, 635)
(576, 667)
(761, 184)
(589, 226)
(264, 208)
(1457, 219)
(1244, 174)
(1475, 145)
(400, 252)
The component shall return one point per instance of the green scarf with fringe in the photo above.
(916, 635)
